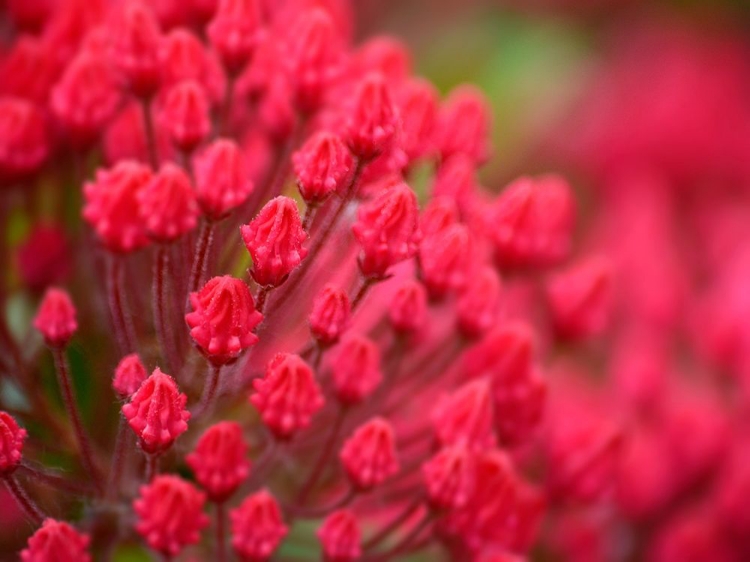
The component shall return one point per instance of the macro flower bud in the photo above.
(478, 302)
(449, 477)
(129, 376)
(56, 541)
(466, 417)
(112, 208)
(236, 31)
(185, 115)
(384, 54)
(287, 396)
(135, 48)
(183, 56)
(219, 460)
(456, 180)
(444, 257)
(11, 443)
(56, 318)
(257, 527)
(418, 103)
(340, 537)
(330, 313)
(170, 514)
(408, 308)
(464, 125)
(221, 179)
(23, 140)
(44, 258)
(373, 122)
(156, 412)
(387, 229)
(438, 214)
(223, 319)
(322, 165)
(167, 204)
(355, 369)
(369, 455)
(275, 239)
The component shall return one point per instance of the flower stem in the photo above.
(365, 285)
(200, 258)
(118, 459)
(164, 331)
(152, 467)
(123, 324)
(209, 391)
(395, 523)
(84, 444)
(54, 480)
(310, 213)
(27, 505)
(221, 517)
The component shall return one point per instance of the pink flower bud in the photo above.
(444, 259)
(219, 460)
(56, 318)
(477, 308)
(236, 31)
(323, 165)
(532, 222)
(44, 258)
(464, 125)
(449, 477)
(112, 206)
(184, 57)
(417, 102)
(184, 114)
(223, 319)
(340, 537)
(522, 402)
(221, 179)
(29, 69)
(385, 55)
(275, 241)
(369, 455)
(11, 443)
(373, 120)
(408, 308)
(56, 541)
(438, 214)
(23, 140)
(167, 204)
(129, 376)
(355, 368)
(170, 514)
(456, 180)
(387, 228)
(257, 527)
(136, 48)
(156, 412)
(466, 417)
(330, 313)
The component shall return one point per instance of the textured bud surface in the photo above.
(322, 166)
(167, 204)
(340, 537)
(129, 376)
(221, 181)
(11, 443)
(257, 527)
(56, 541)
(56, 317)
(369, 455)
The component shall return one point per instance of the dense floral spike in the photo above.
(532, 222)
(23, 140)
(373, 120)
(112, 206)
(464, 125)
(135, 48)
(417, 103)
(466, 417)
(236, 31)
(478, 303)
(329, 317)
(156, 412)
(257, 527)
(56, 318)
(170, 514)
(129, 376)
(369, 455)
(444, 257)
(223, 319)
(355, 369)
(322, 166)
(275, 240)
(407, 311)
(387, 228)
(185, 114)
(167, 204)
(219, 460)
(44, 258)
(579, 298)
(287, 396)
(221, 179)
(11, 443)
(56, 541)
(449, 477)
(340, 537)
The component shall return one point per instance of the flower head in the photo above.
(56, 541)
(369, 455)
(167, 204)
(11, 443)
(257, 527)
(129, 376)
(56, 318)
(340, 537)
(221, 180)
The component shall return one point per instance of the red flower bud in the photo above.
(56, 541)
(236, 31)
(223, 319)
(170, 514)
(275, 240)
(464, 125)
(330, 315)
(456, 180)
(112, 206)
(23, 140)
(417, 102)
(449, 477)
(287, 396)
(136, 48)
(466, 417)
(477, 308)
(340, 537)
(167, 204)
(29, 69)
(387, 228)
(257, 527)
(184, 114)
(323, 165)
(385, 55)
(11, 443)
(56, 318)
(221, 179)
(369, 455)
(156, 412)
(129, 376)
(184, 57)
(444, 259)
(44, 258)
(408, 308)
(219, 460)
(355, 368)
(373, 120)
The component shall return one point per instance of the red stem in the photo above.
(27, 505)
(209, 391)
(200, 258)
(394, 524)
(164, 329)
(221, 548)
(124, 330)
(118, 459)
(326, 454)
(148, 127)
